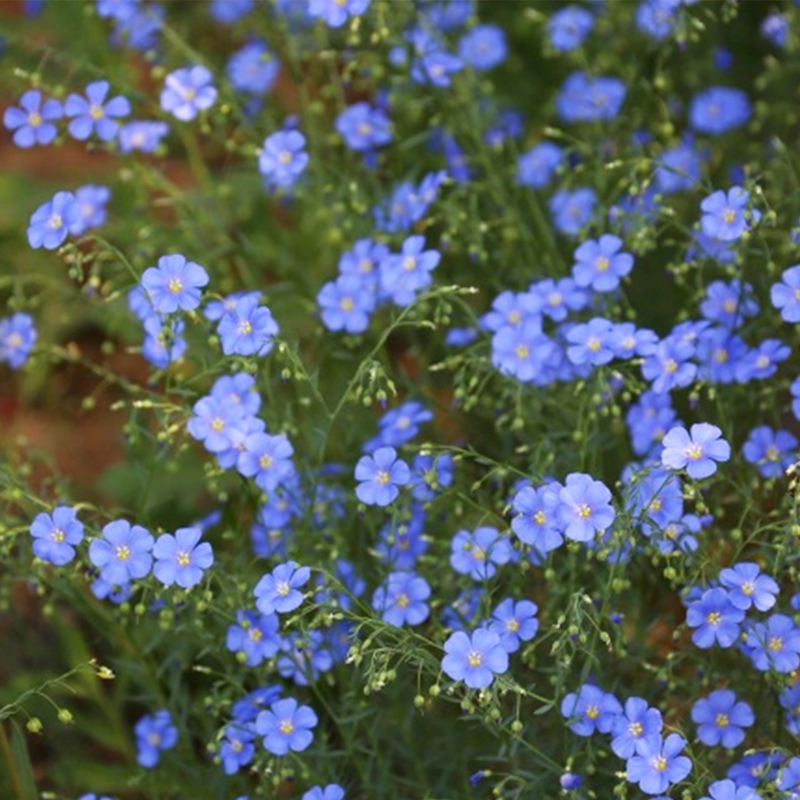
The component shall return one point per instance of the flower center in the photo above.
(714, 618)
(729, 215)
(474, 658)
(593, 344)
(123, 552)
(154, 739)
(635, 729)
(540, 518)
(775, 644)
(189, 93)
(514, 317)
(584, 511)
(729, 306)
(57, 535)
(659, 763)
(721, 355)
(554, 299)
(592, 712)
(721, 720)
(346, 304)
(282, 588)
(175, 285)
(748, 587)
(522, 351)
(184, 559)
(479, 554)
(364, 129)
(402, 600)
(55, 222)
(656, 504)
(287, 727)
(245, 327)
(217, 424)
(602, 264)
(512, 625)
(772, 453)
(14, 340)
(409, 263)
(383, 477)
(694, 451)
(236, 746)
(285, 157)
(670, 366)
(365, 265)
(266, 461)
(96, 112)
(34, 119)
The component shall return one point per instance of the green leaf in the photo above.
(22, 776)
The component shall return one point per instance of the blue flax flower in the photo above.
(659, 764)
(93, 114)
(479, 554)
(330, 792)
(698, 452)
(572, 210)
(346, 303)
(215, 423)
(399, 425)
(785, 295)
(536, 521)
(718, 110)
(714, 618)
(514, 622)
(669, 367)
(187, 92)
(52, 221)
(335, 13)
(154, 733)
(286, 726)
(253, 69)
(379, 477)
(747, 587)
(405, 274)
(729, 790)
(91, 202)
(474, 659)
(483, 48)
(32, 122)
(180, 559)
(254, 637)
(175, 284)
(568, 27)
(248, 328)
(535, 167)
(282, 159)
(123, 553)
(636, 723)
(774, 644)
(363, 127)
(600, 264)
(771, 451)
(279, 591)
(724, 214)
(590, 342)
(17, 338)
(401, 599)
(585, 507)
(55, 536)
(590, 709)
(236, 749)
(268, 459)
(721, 719)
(142, 135)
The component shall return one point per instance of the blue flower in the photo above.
(659, 764)
(724, 214)
(305, 657)
(590, 342)
(237, 749)
(362, 261)
(402, 541)
(52, 221)
(286, 726)
(282, 159)
(330, 792)
(524, 352)
(478, 554)
(401, 599)
(585, 99)
(268, 459)
(774, 644)
(626, 341)
(17, 338)
(569, 27)
(535, 168)
(380, 475)
(93, 114)
(279, 591)
(248, 707)
(720, 719)
(363, 127)
(729, 790)
(536, 521)
(635, 724)
(435, 68)
(180, 559)
(514, 309)
(762, 362)
(514, 622)
(678, 168)
(335, 13)
(718, 110)
(32, 122)
(116, 9)
(483, 48)
(54, 536)
(143, 135)
(154, 733)
(163, 343)
(254, 636)
(657, 18)
(600, 265)
(697, 452)
(228, 11)
(247, 329)
(785, 296)
(775, 29)
(346, 303)
(175, 284)
(590, 709)
(91, 202)
(253, 69)
(474, 659)
(569, 781)
(430, 475)
(729, 303)
(648, 420)
(771, 451)
(399, 425)
(403, 275)
(123, 553)
(584, 508)
(187, 92)
(714, 618)
(558, 298)
(572, 211)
